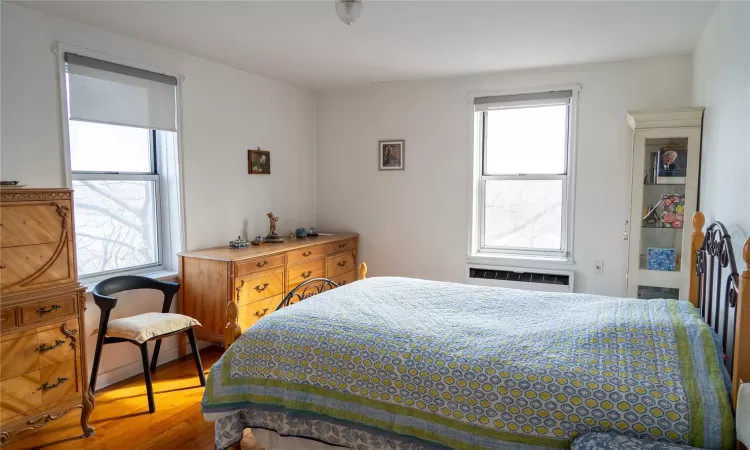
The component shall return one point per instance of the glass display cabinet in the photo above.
(663, 198)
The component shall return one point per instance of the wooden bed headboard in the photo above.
(722, 294)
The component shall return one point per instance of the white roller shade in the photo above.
(104, 92)
(521, 100)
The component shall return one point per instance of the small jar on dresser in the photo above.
(257, 278)
(42, 341)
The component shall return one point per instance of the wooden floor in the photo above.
(122, 421)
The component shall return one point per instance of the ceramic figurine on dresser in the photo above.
(239, 243)
(272, 236)
(42, 343)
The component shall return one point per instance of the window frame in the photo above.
(167, 171)
(153, 175)
(477, 246)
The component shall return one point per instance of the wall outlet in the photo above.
(598, 266)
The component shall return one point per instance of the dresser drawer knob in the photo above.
(2, 266)
(46, 386)
(341, 263)
(44, 309)
(46, 347)
(262, 263)
(260, 288)
(261, 314)
(306, 254)
(342, 245)
(306, 274)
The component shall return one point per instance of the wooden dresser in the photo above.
(257, 278)
(42, 345)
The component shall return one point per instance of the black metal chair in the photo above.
(102, 293)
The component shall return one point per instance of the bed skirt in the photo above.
(229, 430)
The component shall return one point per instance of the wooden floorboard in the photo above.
(122, 421)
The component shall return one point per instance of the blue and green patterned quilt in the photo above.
(469, 367)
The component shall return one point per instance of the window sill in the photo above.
(159, 274)
(531, 262)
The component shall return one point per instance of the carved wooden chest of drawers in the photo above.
(257, 278)
(42, 342)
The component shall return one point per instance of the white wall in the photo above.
(224, 112)
(721, 66)
(414, 223)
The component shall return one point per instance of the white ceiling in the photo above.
(305, 43)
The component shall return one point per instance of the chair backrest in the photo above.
(104, 289)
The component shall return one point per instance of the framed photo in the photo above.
(258, 162)
(391, 155)
(671, 165)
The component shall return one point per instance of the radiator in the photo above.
(522, 278)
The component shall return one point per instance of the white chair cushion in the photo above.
(143, 327)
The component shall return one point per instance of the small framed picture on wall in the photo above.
(391, 155)
(258, 162)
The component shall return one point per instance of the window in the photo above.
(121, 140)
(116, 197)
(523, 147)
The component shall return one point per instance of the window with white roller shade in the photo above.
(523, 201)
(122, 139)
(104, 92)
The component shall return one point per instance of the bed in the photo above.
(396, 363)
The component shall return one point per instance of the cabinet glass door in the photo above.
(664, 196)
(663, 210)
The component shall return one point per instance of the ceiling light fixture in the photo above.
(348, 10)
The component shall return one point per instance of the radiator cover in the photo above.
(522, 278)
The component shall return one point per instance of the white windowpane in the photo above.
(524, 214)
(96, 147)
(115, 224)
(529, 140)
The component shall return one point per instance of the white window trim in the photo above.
(477, 182)
(171, 229)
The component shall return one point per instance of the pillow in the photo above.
(743, 414)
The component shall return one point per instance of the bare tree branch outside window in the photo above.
(115, 224)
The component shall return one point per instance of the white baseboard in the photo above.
(134, 368)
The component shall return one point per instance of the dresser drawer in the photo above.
(30, 223)
(19, 395)
(301, 272)
(305, 254)
(30, 267)
(29, 391)
(18, 354)
(340, 264)
(344, 278)
(57, 343)
(249, 314)
(47, 310)
(8, 319)
(254, 288)
(255, 265)
(59, 381)
(341, 246)
(37, 348)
